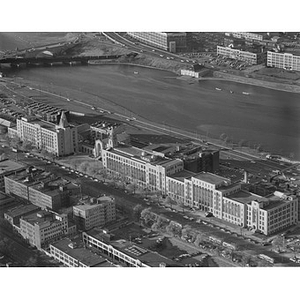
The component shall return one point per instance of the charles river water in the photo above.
(264, 116)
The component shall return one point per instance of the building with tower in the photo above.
(60, 140)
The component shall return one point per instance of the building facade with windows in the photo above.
(60, 140)
(40, 188)
(251, 58)
(140, 167)
(73, 254)
(43, 227)
(227, 201)
(246, 35)
(285, 61)
(168, 41)
(96, 214)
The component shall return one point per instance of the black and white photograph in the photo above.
(132, 146)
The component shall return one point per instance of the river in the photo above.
(264, 116)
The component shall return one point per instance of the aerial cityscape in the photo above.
(149, 149)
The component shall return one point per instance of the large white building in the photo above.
(96, 214)
(227, 201)
(246, 35)
(61, 139)
(168, 41)
(285, 61)
(237, 54)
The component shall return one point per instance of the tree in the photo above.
(174, 229)
(147, 215)
(170, 201)
(137, 211)
(180, 203)
(27, 145)
(199, 238)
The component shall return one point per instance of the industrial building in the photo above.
(72, 253)
(8, 167)
(43, 227)
(123, 252)
(97, 213)
(40, 188)
(247, 35)
(60, 140)
(227, 201)
(13, 215)
(169, 41)
(286, 61)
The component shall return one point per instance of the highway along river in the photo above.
(259, 115)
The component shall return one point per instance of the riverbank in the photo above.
(251, 81)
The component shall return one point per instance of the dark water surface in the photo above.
(265, 116)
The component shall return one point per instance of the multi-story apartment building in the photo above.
(168, 41)
(43, 227)
(98, 213)
(285, 61)
(74, 254)
(251, 58)
(61, 139)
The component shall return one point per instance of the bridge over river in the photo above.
(15, 61)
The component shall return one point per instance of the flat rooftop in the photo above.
(211, 178)
(10, 166)
(45, 217)
(245, 197)
(140, 155)
(22, 210)
(182, 175)
(144, 255)
(80, 253)
(25, 178)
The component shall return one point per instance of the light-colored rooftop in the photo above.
(9, 166)
(245, 197)
(83, 255)
(211, 178)
(182, 175)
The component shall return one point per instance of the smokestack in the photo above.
(245, 177)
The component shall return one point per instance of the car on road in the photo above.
(161, 55)
(186, 217)
(208, 214)
(63, 167)
(95, 179)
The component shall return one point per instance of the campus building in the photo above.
(58, 139)
(168, 41)
(123, 252)
(13, 215)
(246, 35)
(43, 227)
(8, 167)
(40, 188)
(72, 253)
(285, 61)
(251, 58)
(98, 213)
(227, 201)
